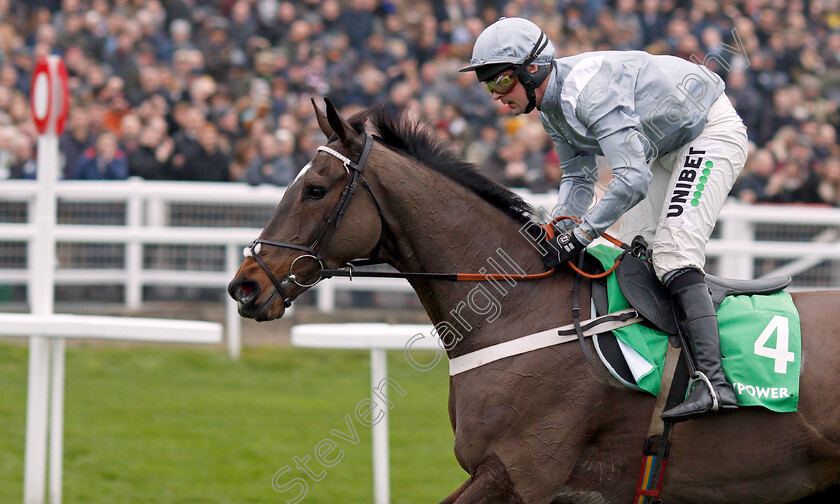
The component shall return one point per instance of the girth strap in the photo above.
(542, 339)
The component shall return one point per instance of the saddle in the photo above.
(651, 298)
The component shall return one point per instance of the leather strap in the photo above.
(657, 444)
(576, 310)
(542, 339)
(672, 357)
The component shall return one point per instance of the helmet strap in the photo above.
(531, 81)
(532, 96)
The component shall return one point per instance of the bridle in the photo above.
(314, 251)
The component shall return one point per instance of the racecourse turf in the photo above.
(155, 424)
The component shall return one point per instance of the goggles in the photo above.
(502, 84)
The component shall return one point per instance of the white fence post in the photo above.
(156, 211)
(56, 457)
(381, 457)
(37, 394)
(41, 298)
(232, 319)
(326, 297)
(134, 251)
(733, 264)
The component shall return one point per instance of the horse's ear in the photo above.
(342, 129)
(323, 123)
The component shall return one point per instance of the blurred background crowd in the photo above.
(219, 90)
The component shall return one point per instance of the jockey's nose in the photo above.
(244, 290)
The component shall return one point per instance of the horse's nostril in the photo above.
(244, 290)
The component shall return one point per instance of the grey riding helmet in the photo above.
(513, 43)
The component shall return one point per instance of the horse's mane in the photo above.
(417, 141)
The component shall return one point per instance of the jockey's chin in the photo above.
(509, 107)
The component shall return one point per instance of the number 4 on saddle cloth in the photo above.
(759, 331)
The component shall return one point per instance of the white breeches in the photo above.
(688, 190)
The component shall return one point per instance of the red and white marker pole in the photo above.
(49, 101)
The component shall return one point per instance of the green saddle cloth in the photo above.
(760, 340)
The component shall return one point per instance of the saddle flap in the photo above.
(646, 293)
(723, 287)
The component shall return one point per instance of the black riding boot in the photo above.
(694, 303)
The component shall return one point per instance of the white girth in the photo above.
(536, 341)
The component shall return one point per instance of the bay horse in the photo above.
(544, 426)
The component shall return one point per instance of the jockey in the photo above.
(675, 146)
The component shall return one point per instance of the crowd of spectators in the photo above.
(219, 90)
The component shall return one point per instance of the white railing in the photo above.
(146, 223)
(148, 220)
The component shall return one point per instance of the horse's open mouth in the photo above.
(270, 309)
(262, 303)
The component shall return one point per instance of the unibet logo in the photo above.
(685, 185)
(702, 183)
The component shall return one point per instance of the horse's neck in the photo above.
(436, 225)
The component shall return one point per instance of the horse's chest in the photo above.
(509, 409)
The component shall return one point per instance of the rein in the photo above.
(549, 231)
(476, 277)
(314, 251)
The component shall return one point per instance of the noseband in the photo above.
(314, 251)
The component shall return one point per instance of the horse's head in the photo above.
(321, 222)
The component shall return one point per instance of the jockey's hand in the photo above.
(561, 249)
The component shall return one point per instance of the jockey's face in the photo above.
(514, 97)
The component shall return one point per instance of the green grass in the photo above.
(173, 425)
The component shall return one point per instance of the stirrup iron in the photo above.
(699, 376)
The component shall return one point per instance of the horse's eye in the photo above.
(315, 192)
